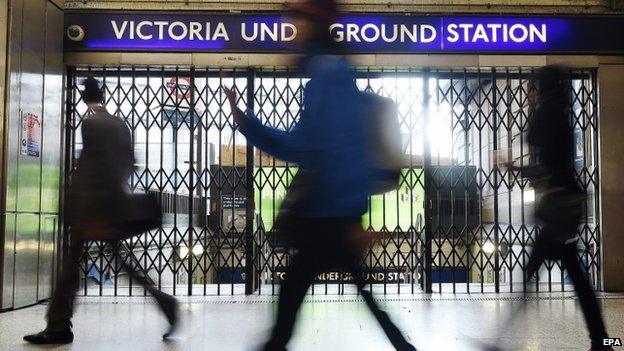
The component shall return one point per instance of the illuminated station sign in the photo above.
(358, 33)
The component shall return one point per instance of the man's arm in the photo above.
(289, 146)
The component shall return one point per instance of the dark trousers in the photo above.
(544, 250)
(322, 245)
(61, 306)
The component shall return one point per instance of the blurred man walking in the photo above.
(323, 209)
(559, 197)
(97, 200)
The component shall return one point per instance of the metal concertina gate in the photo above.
(456, 223)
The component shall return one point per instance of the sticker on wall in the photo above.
(31, 135)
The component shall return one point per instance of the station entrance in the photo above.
(457, 222)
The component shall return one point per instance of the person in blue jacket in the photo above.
(330, 192)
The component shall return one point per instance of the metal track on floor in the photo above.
(217, 300)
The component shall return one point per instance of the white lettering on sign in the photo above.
(385, 37)
(371, 32)
(265, 32)
(338, 34)
(196, 29)
(119, 32)
(293, 32)
(518, 38)
(220, 33)
(494, 30)
(430, 30)
(161, 29)
(480, 34)
(254, 33)
(352, 32)
(177, 31)
(453, 36)
(181, 33)
(495, 33)
(348, 32)
(466, 27)
(540, 33)
(140, 33)
(373, 277)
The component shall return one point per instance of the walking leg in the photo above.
(587, 298)
(299, 277)
(167, 303)
(61, 306)
(535, 261)
(60, 311)
(392, 331)
(352, 263)
(133, 268)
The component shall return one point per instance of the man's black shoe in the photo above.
(407, 347)
(169, 305)
(51, 337)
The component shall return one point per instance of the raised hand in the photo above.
(239, 116)
(230, 93)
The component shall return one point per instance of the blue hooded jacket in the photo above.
(330, 139)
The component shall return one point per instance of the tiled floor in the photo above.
(437, 323)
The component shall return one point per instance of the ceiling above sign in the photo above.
(358, 33)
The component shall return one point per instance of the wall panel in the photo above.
(9, 262)
(32, 179)
(53, 111)
(47, 238)
(612, 166)
(31, 101)
(26, 259)
(13, 101)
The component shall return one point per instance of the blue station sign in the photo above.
(358, 33)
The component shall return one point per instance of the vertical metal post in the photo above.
(191, 228)
(596, 163)
(495, 168)
(199, 165)
(428, 257)
(102, 246)
(468, 203)
(250, 277)
(63, 252)
(202, 209)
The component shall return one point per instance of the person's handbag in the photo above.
(293, 207)
(560, 210)
(144, 214)
(141, 213)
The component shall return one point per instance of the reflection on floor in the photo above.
(433, 322)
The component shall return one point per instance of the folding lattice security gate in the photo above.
(457, 222)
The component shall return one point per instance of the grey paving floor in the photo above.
(436, 322)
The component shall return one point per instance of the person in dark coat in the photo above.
(330, 193)
(559, 197)
(96, 200)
